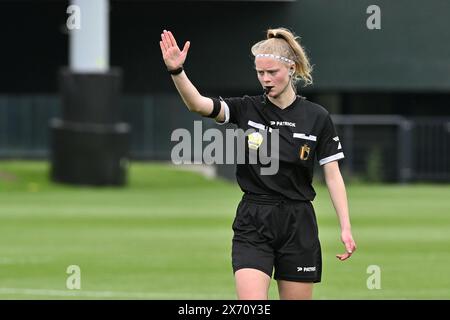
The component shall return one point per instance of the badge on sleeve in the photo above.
(304, 152)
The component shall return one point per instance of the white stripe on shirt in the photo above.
(258, 125)
(304, 136)
(337, 156)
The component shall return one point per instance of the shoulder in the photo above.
(315, 109)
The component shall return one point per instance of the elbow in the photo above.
(197, 104)
(193, 108)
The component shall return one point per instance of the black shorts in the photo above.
(272, 232)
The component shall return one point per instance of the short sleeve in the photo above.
(329, 147)
(234, 107)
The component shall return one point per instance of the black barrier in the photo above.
(89, 154)
(90, 97)
(89, 146)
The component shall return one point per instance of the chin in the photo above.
(273, 94)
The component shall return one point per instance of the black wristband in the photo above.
(216, 108)
(175, 71)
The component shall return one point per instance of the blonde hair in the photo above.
(284, 43)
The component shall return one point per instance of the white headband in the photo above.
(268, 55)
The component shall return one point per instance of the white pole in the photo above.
(89, 45)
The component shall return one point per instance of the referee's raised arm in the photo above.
(174, 59)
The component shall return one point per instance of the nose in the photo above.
(265, 78)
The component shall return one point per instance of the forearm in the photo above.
(190, 95)
(338, 194)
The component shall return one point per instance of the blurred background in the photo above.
(85, 154)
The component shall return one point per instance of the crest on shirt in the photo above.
(255, 139)
(304, 152)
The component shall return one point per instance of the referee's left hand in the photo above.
(349, 243)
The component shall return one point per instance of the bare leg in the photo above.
(291, 290)
(252, 284)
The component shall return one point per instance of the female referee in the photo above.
(275, 227)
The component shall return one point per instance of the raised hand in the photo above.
(173, 57)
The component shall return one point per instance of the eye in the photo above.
(260, 73)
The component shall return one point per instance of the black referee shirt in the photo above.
(306, 132)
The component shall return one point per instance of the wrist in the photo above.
(176, 71)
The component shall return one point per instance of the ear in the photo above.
(291, 70)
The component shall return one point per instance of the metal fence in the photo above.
(377, 147)
(394, 148)
(388, 148)
(23, 125)
(431, 149)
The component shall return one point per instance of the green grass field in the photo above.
(167, 235)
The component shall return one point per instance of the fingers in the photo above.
(172, 38)
(350, 246)
(186, 47)
(169, 48)
(163, 49)
(168, 39)
(163, 44)
(165, 40)
(343, 256)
